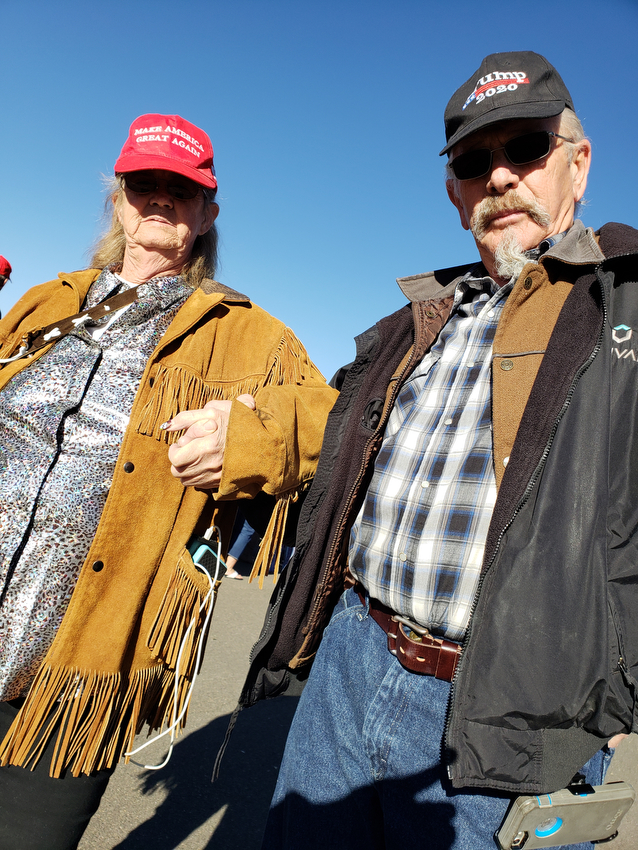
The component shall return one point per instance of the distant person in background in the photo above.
(244, 546)
(5, 273)
(244, 543)
(102, 370)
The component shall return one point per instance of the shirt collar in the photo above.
(162, 290)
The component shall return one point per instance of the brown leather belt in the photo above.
(418, 651)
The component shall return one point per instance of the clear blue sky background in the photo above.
(326, 119)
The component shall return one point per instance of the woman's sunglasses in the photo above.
(520, 151)
(144, 182)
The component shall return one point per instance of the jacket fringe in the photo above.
(176, 389)
(98, 715)
(270, 547)
(290, 362)
(179, 608)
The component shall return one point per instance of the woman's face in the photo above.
(157, 221)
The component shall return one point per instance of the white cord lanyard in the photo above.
(219, 568)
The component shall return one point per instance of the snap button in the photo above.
(507, 365)
(430, 314)
(128, 466)
(528, 283)
(97, 566)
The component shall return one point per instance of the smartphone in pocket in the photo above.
(204, 552)
(569, 816)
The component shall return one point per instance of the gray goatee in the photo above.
(509, 256)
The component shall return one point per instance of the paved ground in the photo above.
(178, 808)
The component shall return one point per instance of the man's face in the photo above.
(529, 202)
(157, 221)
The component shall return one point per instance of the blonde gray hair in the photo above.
(109, 250)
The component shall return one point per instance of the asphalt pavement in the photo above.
(178, 808)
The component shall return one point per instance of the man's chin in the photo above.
(527, 234)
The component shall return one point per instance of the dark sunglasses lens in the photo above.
(141, 184)
(472, 164)
(182, 191)
(528, 148)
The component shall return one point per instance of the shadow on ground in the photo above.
(247, 780)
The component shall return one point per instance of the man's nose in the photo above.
(503, 175)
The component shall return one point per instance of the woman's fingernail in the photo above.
(165, 425)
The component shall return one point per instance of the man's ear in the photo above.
(581, 162)
(450, 185)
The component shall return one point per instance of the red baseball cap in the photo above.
(170, 143)
(5, 267)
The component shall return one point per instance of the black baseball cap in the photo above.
(507, 85)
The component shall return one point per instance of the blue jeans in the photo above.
(244, 540)
(362, 766)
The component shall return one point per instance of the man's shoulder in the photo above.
(616, 239)
(422, 287)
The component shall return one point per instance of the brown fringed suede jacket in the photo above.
(111, 666)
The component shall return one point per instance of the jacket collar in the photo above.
(82, 280)
(579, 247)
(212, 287)
(436, 284)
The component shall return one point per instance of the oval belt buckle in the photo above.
(417, 633)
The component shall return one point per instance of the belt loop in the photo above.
(362, 598)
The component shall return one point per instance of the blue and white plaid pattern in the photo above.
(417, 544)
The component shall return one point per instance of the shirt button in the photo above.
(528, 283)
(97, 566)
(448, 421)
(425, 484)
(507, 365)
(403, 556)
(470, 365)
(490, 313)
(128, 466)
(506, 460)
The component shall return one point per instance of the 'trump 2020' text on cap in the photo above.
(506, 86)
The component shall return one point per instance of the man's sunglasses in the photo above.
(144, 182)
(520, 151)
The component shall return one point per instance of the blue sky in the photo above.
(326, 120)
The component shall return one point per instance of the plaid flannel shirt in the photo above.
(417, 544)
